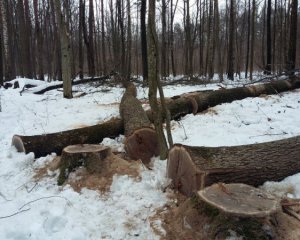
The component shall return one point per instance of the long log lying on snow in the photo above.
(179, 106)
(193, 168)
(199, 101)
(81, 81)
(45, 144)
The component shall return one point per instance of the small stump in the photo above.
(90, 156)
(240, 200)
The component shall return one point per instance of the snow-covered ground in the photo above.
(31, 209)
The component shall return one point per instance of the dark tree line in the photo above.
(196, 38)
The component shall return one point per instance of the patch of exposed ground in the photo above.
(81, 178)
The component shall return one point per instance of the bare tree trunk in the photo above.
(153, 65)
(91, 40)
(248, 37)
(65, 51)
(291, 61)
(217, 39)
(269, 39)
(172, 12)
(129, 42)
(80, 44)
(103, 39)
(144, 40)
(163, 39)
(231, 45)
(39, 41)
(253, 35)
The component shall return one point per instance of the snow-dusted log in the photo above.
(179, 106)
(90, 156)
(45, 144)
(141, 140)
(240, 200)
(193, 168)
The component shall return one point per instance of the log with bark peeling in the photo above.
(178, 105)
(141, 140)
(193, 168)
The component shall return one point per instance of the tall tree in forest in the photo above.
(103, 39)
(210, 54)
(144, 40)
(120, 16)
(1, 49)
(231, 43)
(38, 41)
(80, 44)
(163, 59)
(253, 36)
(171, 43)
(291, 57)
(65, 50)
(188, 39)
(217, 40)
(129, 42)
(269, 39)
(153, 78)
(91, 56)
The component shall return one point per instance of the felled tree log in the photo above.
(193, 168)
(141, 140)
(82, 81)
(87, 155)
(45, 144)
(240, 200)
(179, 106)
(201, 100)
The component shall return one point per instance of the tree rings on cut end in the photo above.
(142, 144)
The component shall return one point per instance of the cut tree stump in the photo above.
(178, 106)
(193, 168)
(141, 140)
(90, 156)
(240, 200)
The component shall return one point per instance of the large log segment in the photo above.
(45, 144)
(141, 140)
(179, 106)
(193, 168)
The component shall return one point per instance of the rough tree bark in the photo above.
(178, 106)
(141, 141)
(144, 40)
(193, 168)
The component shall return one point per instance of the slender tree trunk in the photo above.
(211, 42)
(172, 12)
(291, 60)
(80, 43)
(129, 42)
(153, 65)
(144, 40)
(91, 40)
(217, 39)
(65, 50)
(1, 49)
(248, 37)
(253, 34)
(103, 39)
(28, 60)
(269, 39)
(163, 39)
(231, 44)
(39, 41)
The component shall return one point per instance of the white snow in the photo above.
(31, 209)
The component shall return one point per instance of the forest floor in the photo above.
(32, 206)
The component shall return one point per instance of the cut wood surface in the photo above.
(179, 106)
(141, 140)
(240, 200)
(193, 168)
(87, 155)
